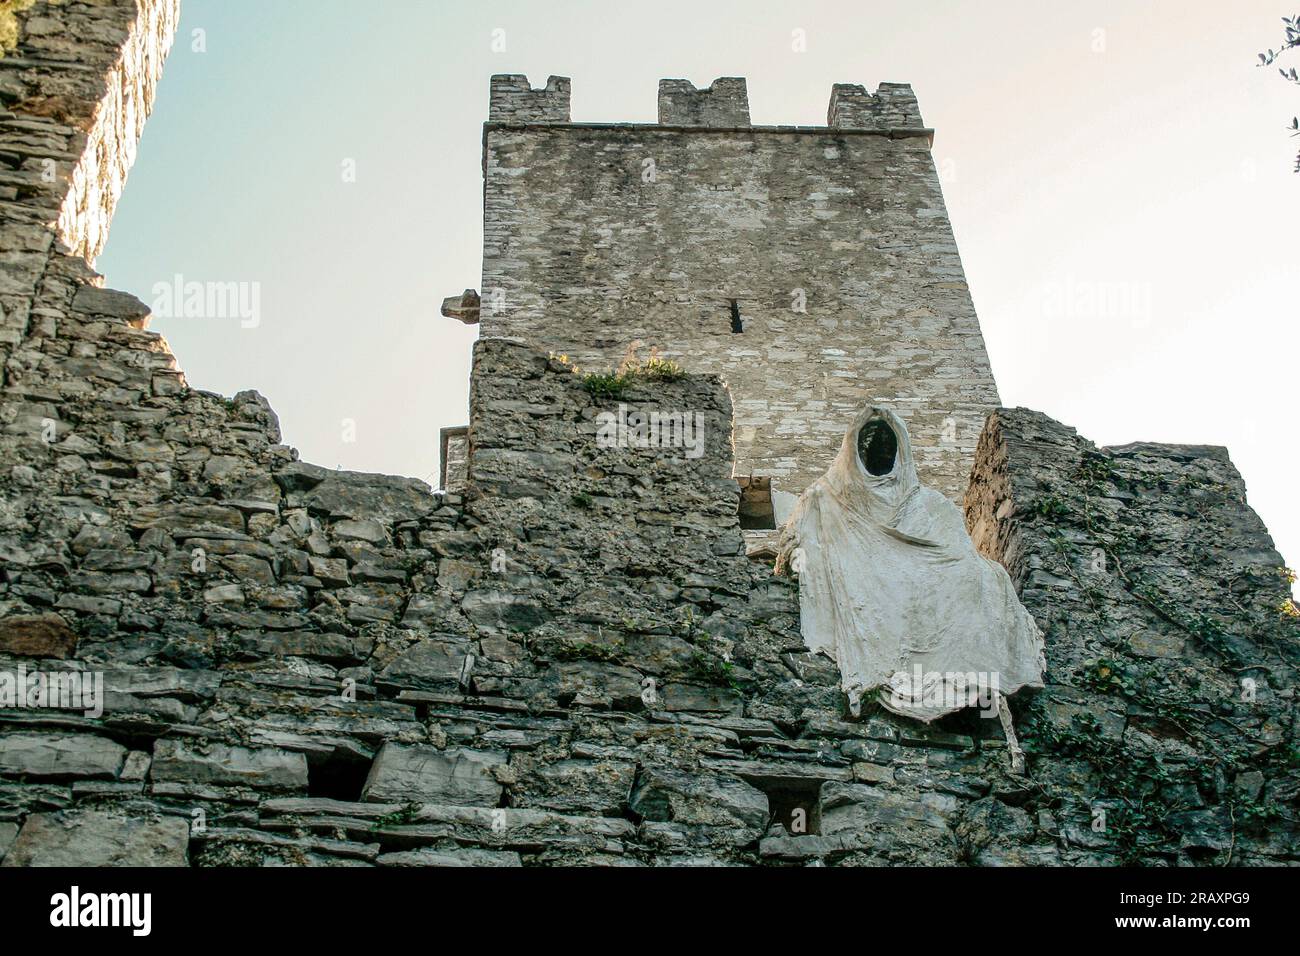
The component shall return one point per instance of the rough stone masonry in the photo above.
(572, 660)
(809, 267)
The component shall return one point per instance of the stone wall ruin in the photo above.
(573, 661)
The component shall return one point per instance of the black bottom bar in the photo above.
(336, 906)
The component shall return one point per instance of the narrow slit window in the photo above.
(737, 326)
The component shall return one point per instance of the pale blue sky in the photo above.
(1117, 173)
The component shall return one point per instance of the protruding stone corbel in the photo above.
(463, 307)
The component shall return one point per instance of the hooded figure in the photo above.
(892, 589)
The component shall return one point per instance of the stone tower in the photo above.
(813, 268)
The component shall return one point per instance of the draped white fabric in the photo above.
(893, 590)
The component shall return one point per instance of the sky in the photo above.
(1118, 175)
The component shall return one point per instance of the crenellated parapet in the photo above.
(892, 106)
(513, 100)
(724, 104)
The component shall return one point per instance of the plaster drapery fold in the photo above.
(892, 589)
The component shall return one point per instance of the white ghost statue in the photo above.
(892, 589)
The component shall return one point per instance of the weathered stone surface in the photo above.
(499, 609)
(1147, 644)
(242, 846)
(364, 529)
(326, 647)
(989, 830)
(37, 635)
(1158, 590)
(458, 776)
(329, 570)
(428, 663)
(226, 766)
(129, 836)
(698, 798)
(442, 858)
(347, 494)
(859, 808)
(578, 786)
(703, 699)
(42, 756)
(120, 305)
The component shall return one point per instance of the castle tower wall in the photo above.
(76, 90)
(833, 242)
(76, 87)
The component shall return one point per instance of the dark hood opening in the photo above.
(877, 447)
